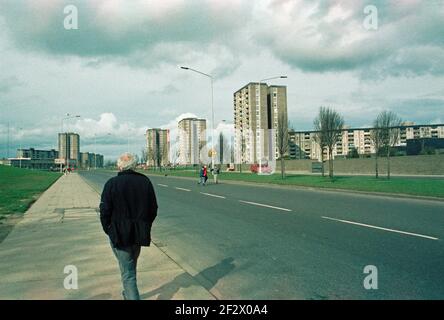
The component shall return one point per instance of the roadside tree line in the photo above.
(329, 125)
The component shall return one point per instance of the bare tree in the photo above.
(175, 154)
(319, 138)
(282, 138)
(242, 150)
(151, 156)
(376, 137)
(144, 156)
(328, 125)
(388, 123)
(164, 153)
(154, 151)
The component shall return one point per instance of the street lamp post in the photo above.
(21, 151)
(260, 142)
(8, 142)
(95, 151)
(212, 110)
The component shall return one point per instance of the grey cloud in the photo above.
(434, 94)
(420, 109)
(168, 89)
(9, 83)
(305, 34)
(136, 33)
(408, 62)
(409, 41)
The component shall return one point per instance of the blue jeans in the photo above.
(127, 258)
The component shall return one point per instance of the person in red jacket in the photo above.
(205, 173)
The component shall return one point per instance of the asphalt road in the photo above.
(254, 242)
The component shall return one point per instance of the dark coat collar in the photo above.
(129, 171)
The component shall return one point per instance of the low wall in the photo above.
(409, 165)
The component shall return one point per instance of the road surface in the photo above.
(254, 242)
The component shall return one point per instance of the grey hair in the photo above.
(126, 161)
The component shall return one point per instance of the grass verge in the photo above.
(19, 188)
(396, 185)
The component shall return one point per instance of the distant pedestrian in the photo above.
(128, 208)
(201, 176)
(216, 174)
(205, 173)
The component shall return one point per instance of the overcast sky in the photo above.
(120, 69)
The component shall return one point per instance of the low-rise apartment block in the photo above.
(357, 140)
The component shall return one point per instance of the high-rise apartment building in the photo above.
(158, 147)
(69, 148)
(257, 108)
(192, 139)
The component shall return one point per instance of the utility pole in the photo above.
(261, 140)
(7, 143)
(95, 151)
(21, 150)
(212, 109)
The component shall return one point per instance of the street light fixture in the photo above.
(260, 144)
(68, 116)
(212, 109)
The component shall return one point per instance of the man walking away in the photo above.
(128, 208)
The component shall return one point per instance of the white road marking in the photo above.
(264, 205)
(380, 228)
(183, 189)
(213, 195)
(162, 185)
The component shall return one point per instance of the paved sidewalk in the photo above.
(63, 228)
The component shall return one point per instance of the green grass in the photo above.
(19, 188)
(398, 185)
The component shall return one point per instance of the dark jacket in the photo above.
(128, 208)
